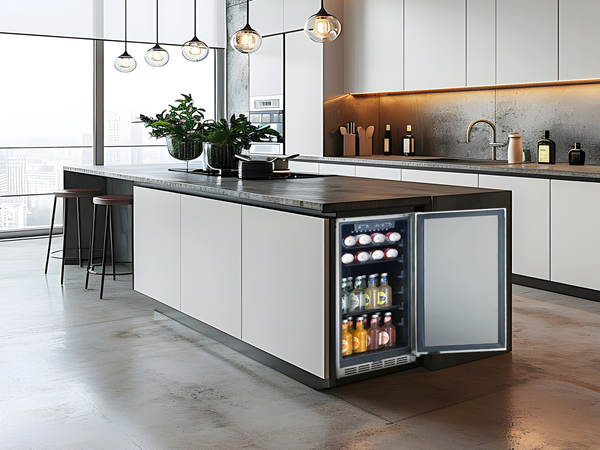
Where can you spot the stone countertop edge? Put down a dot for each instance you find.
(534, 169)
(156, 175)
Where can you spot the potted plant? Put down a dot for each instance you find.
(182, 125)
(225, 139)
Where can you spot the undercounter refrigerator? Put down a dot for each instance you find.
(419, 283)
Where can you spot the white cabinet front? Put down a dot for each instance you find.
(211, 262)
(156, 245)
(530, 222)
(297, 12)
(575, 241)
(434, 44)
(283, 286)
(380, 173)
(266, 16)
(266, 68)
(527, 33)
(481, 42)
(451, 178)
(337, 169)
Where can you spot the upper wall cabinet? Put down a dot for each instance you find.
(297, 12)
(481, 42)
(527, 41)
(266, 16)
(373, 53)
(266, 68)
(578, 39)
(434, 44)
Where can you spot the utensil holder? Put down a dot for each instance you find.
(349, 144)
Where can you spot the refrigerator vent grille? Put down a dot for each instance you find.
(376, 365)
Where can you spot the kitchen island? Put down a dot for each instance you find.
(254, 263)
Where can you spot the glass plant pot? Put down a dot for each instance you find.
(221, 157)
(184, 150)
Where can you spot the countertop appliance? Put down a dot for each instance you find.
(267, 111)
(447, 276)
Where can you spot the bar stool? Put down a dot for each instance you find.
(109, 201)
(67, 194)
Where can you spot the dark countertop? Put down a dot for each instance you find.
(553, 171)
(330, 194)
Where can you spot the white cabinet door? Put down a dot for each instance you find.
(451, 178)
(284, 286)
(303, 95)
(337, 169)
(381, 173)
(434, 44)
(156, 244)
(303, 167)
(266, 68)
(211, 262)
(297, 12)
(579, 35)
(575, 241)
(530, 222)
(481, 42)
(371, 66)
(266, 17)
(527, 33)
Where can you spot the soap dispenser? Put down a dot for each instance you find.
(576, 155)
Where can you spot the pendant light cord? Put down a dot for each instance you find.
(248, 12)
(156, 22)
(125, 26)
(195, 19)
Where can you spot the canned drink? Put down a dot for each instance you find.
(347, 258)
(376, 255)
(363, 239)
(378, 238)
(393, 236)
(362, 257)
(390, 253)
(350, 241)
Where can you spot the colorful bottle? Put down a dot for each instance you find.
(345, 297)
(346, 339)
(371, 292)
(576, 155)
(387, 141)
(373, 333)
(384, 295)
(387, 335)
(350, 325)
(546, 149)
(408, 142)
(357, 296)
(359, 338)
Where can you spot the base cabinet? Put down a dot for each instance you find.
(211, 262)
(530, 222)
(575, 241)
(156, 245)
(284, 288)
(433, 177)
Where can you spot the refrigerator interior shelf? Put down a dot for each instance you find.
(372, 310)
(381, 261)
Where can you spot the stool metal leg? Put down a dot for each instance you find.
(79, 231)
(64, 251)
(50, 237)
(112, 247)
(90, 264)
(106, 230)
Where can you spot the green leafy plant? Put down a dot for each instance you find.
(182, 122)
(238, 133)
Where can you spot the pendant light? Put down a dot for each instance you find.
(157, 56)
(194, 50)
(246, 40)
(322, 27)
(125, 63)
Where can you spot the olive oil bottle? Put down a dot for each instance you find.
(546, 149)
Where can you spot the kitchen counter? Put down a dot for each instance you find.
(327, 194)
(532, 170)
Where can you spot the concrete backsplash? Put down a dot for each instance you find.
(440, 119)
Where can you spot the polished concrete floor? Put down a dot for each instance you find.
(77, 372)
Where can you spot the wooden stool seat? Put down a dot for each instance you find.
(113, 200)
(77, 193)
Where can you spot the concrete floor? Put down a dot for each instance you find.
(77, 372)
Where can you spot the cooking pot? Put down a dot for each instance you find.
(262, 169)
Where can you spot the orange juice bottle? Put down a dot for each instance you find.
(350, 325)
(346, 339)
(359, 338)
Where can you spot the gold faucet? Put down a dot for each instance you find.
(493, 144)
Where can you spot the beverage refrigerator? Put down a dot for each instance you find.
(448, 288)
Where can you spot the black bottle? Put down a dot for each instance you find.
(387, 141)
(576, 155)
(546, 149)
(408, 142)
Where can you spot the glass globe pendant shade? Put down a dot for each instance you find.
(246, 40)
(195, 50)
(125, 63)
(157, 56)
(322, 27)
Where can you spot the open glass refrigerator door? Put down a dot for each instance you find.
(433, 283)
